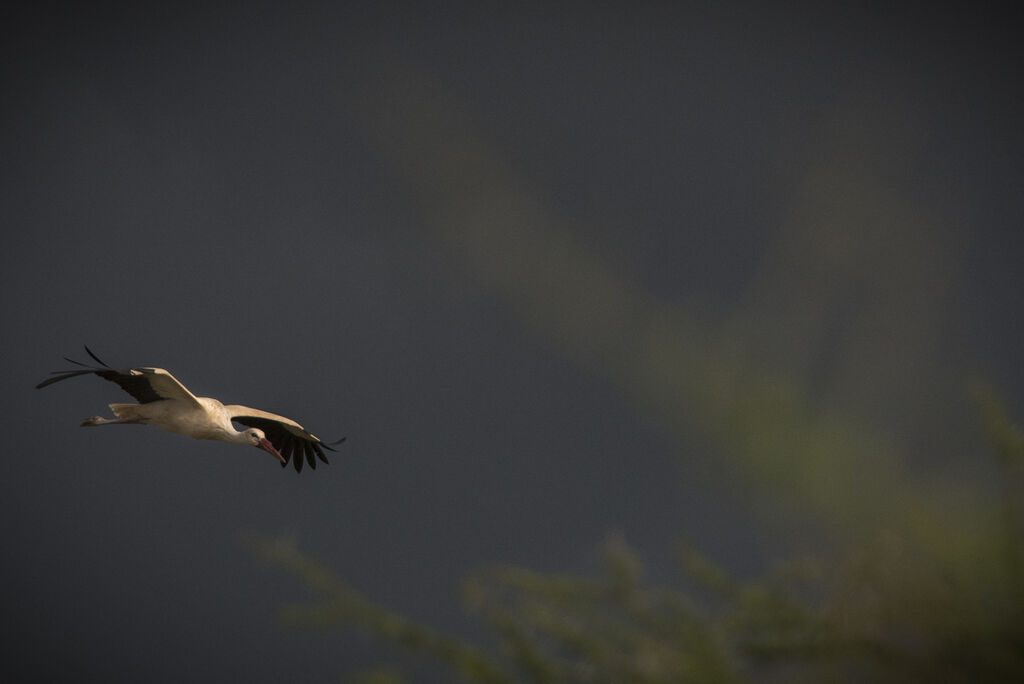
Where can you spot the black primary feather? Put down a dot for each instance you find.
(136, 385)
(64, 375)
(94, 357)
(295, 449)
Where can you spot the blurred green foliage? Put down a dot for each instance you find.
(802, 386)
(892, 609)
(808, 393)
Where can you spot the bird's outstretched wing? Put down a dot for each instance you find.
(144, 384)
(293, 441)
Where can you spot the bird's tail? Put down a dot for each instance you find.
(125, 411)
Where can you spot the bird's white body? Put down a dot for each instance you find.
(209, 420)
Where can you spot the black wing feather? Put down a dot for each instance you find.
(288, 450)
(94, 357)
(295, 449)
(310, 454)
(136, 385)
(62, 375)
(329, 446)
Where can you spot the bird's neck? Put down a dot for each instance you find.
(221, 433)
(235, 436)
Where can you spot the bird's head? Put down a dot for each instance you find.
(259, 440)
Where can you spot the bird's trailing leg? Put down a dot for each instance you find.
(99, 420)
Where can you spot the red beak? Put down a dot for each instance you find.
(269, 448)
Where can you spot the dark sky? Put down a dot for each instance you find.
(374, 219)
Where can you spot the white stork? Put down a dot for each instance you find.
(167, 404)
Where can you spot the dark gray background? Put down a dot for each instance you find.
(210, 191)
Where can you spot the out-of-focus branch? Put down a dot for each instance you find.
(339, 604)
(802, 457)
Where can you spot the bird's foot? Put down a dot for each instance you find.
(95, 420)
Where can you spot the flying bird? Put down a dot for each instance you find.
(167, 404)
